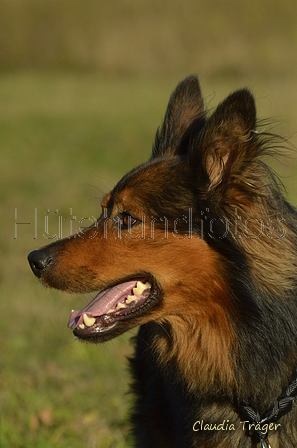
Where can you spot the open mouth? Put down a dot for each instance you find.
(111, 306)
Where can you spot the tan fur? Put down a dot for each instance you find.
(217, 325)
(198, 319)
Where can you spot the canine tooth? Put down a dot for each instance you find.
(130, 299)
(140, 287)
(89, 321)
(81, 326)
(112, 310)
(120, 306)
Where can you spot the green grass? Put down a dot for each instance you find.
(224, 38)
(65, 139)
(83, 87)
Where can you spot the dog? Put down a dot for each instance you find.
(197, 247)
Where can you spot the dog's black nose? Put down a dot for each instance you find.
(39, 260)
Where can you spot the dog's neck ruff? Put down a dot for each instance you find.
(281, 407)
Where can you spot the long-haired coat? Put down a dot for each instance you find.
(197, 246)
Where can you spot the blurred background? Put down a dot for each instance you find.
(83, 86)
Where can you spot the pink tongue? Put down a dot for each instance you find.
(103, 302)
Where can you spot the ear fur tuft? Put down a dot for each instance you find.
(227, 139)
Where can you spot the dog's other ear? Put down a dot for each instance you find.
(185, 108)
(227, 142)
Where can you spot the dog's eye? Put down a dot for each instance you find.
(128, 220)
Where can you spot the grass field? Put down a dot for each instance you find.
(65, 139)
(83, 87)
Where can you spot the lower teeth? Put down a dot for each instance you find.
(120, 306)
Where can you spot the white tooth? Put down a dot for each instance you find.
(120, 305)
(72, 311)
(81, 326)
(89, 321)
(130, 299)
(140, 287)
(112, 310)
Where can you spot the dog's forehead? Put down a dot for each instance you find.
(147, 179)
(153, 175)
(131, 193)
(153, 185)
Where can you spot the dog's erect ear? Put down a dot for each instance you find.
(227, 141)
(184, 108)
